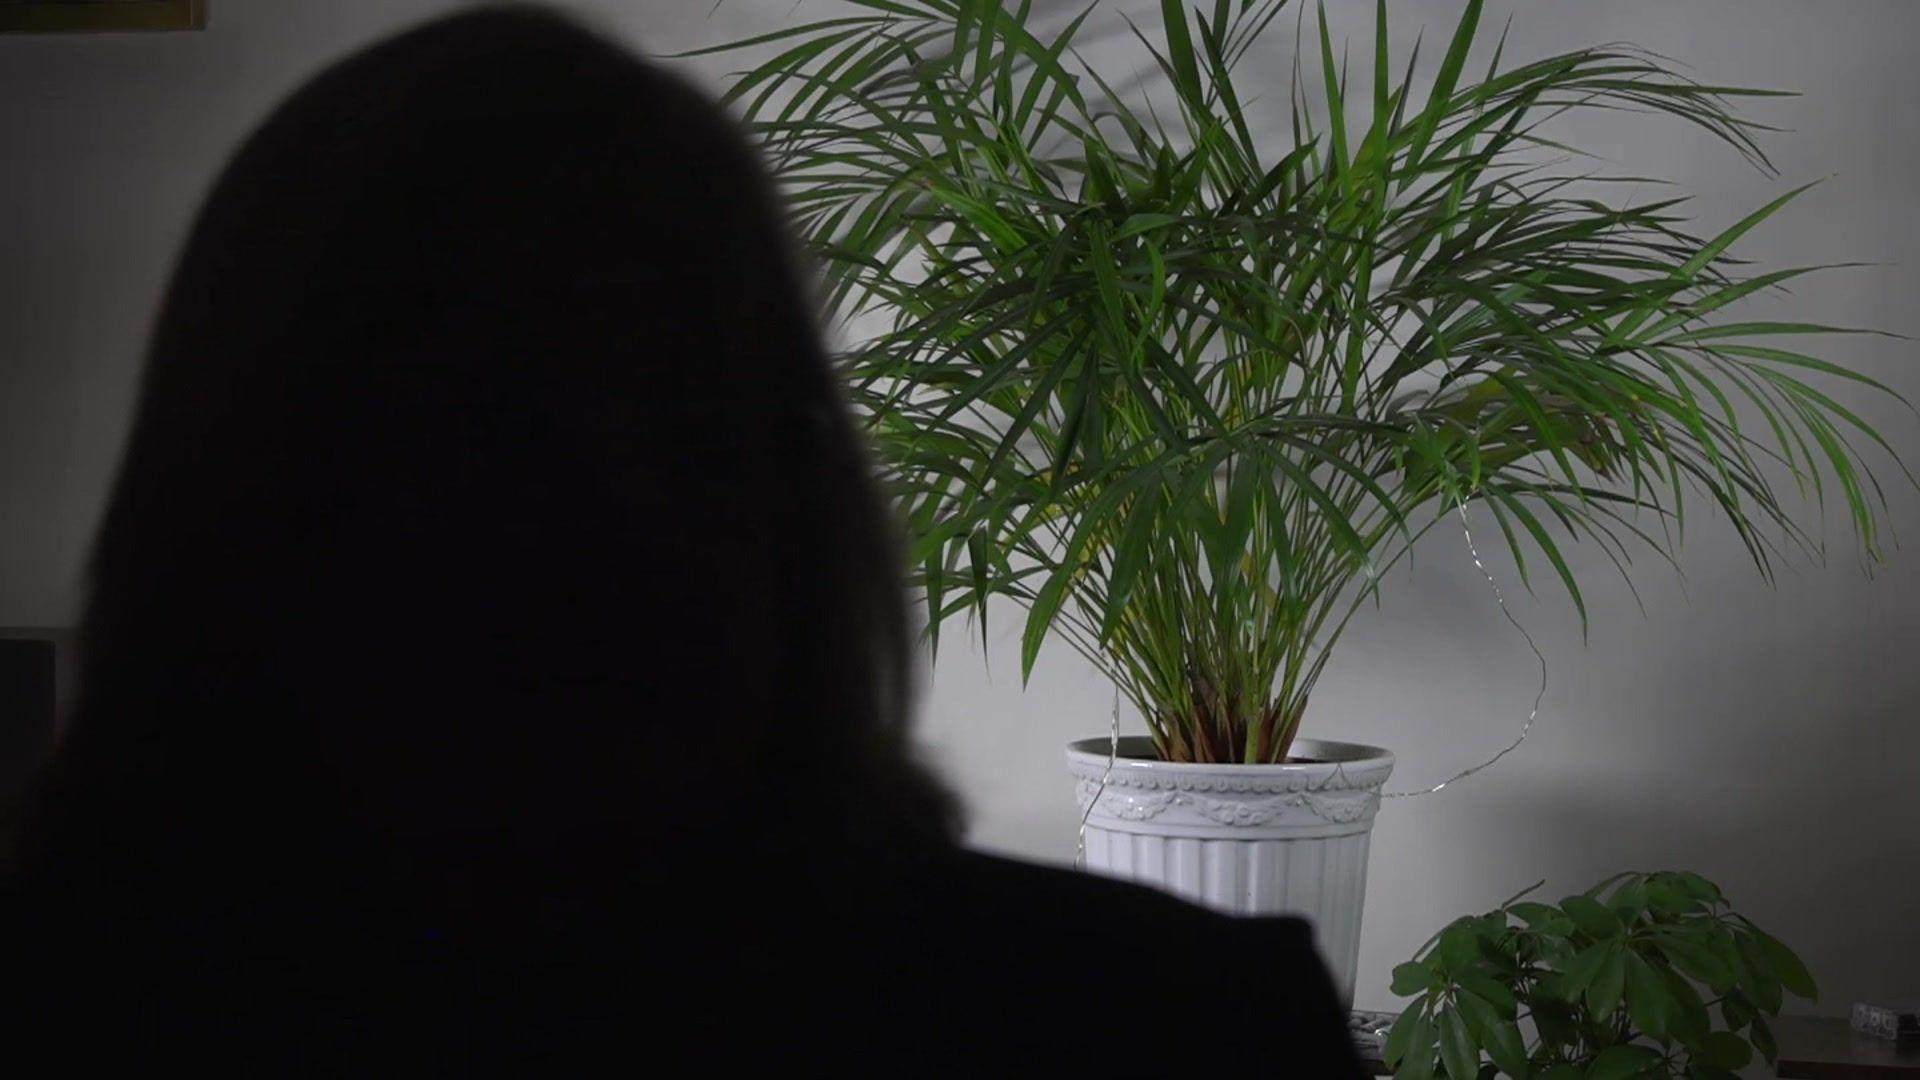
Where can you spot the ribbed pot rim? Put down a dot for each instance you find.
(1136, 755)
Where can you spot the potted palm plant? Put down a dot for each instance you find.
(1182, 378)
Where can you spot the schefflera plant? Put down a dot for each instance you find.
(1643, 975)
(1183, 384)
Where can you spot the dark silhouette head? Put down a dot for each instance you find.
(496, 660)
(491, 529)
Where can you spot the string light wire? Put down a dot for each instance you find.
(1499, 597)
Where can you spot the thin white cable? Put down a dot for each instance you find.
(1113, 754)
(1500, 598)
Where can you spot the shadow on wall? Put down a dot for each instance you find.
(1801, 859)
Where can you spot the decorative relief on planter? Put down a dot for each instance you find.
(1124, 805)
(1243, 813)
(1345, 809)
(1127, 806)
(1303, 795)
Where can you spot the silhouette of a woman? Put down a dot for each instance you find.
(496, 658)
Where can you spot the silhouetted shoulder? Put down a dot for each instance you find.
(497, 332)
(1033, 967)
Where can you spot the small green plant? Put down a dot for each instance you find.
(1621, 981)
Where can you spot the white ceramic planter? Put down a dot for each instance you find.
(1247, 839)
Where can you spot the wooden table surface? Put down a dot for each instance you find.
(1825, 1048)
(1820, 1048)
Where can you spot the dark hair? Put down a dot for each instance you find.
(490, 508)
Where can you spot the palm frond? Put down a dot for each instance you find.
(1182, 395)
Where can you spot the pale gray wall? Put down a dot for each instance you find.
(1760, 735)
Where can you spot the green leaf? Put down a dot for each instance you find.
(1400, 1037)
(1758, 978)
(1412, 978)
(1687, 1019)
(1496, 1032)
(1585, 967)
(1535, 914)
(1649, 1002)
(1791, 972)
(777, 35)
(1763, 1041)
(1545, 543)
(1736, 1011)
(1186, 71)
(1592, 917)
(1609, 983)
(1439, 99)
(1555, 1021)
(1488, 990)
(1696, 886)
(1668, 900)
(1140, 223)
(1459, 1050)
(1417, 1062)
(1459, 949)
(1629, 902)
(1336, 105)
(1723, 1050)
(1623, 1062)
(1693, 958)
(1712, 249)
